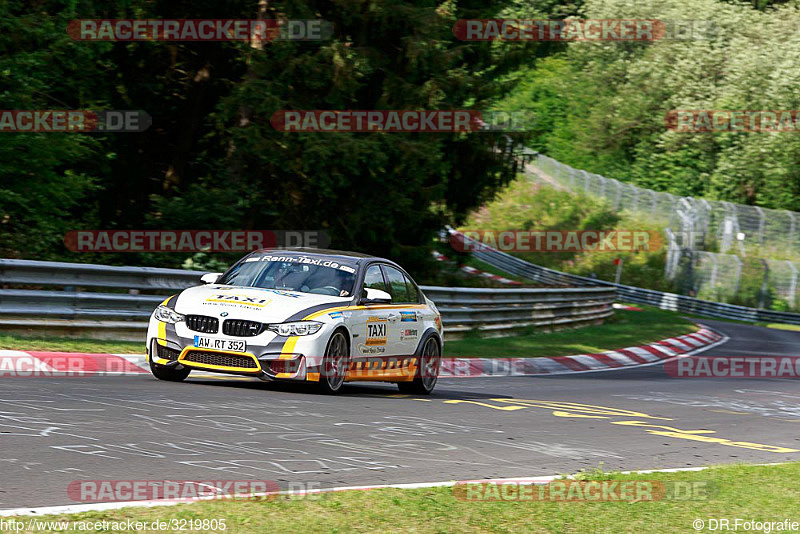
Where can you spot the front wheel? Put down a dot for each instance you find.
(430, 359)
(170, 374)
(334, 364)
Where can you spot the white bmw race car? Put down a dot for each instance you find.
(319, 316)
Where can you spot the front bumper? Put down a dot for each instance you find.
(261, 361)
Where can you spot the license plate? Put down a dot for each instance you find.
(220, 344)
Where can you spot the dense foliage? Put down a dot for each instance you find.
(212, 160)
(528, 206)
(601, 105)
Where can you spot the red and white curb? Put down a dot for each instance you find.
(43, 364)
(655, 353)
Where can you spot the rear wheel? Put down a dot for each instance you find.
(170, 374)
(334, 364)
(430, 359)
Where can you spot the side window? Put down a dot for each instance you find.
(373, 278)
(397, 285)
(413, 291)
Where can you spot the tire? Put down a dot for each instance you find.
(170, 374)
(430, 361)
(335, 364)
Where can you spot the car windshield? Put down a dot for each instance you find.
(304, 274)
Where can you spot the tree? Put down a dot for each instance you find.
(211, 158)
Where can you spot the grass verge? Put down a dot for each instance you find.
(752, 493)
(779, 326)
(626, 329)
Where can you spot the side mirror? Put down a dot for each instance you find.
(375, 296)
(210, 278)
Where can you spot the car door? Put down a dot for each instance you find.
(370, 324)
(404, 317)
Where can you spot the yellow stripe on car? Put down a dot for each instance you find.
(162, 327)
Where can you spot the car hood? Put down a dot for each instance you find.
(256, 304)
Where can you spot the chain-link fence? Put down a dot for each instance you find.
(718, 250)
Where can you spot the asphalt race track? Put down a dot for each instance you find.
(55, 431)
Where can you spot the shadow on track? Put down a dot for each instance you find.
(448, 390)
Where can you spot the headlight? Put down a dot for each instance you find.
(166, 315)
(300, 328)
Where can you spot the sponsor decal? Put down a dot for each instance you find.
(407, 334)
(371, 350)
(306, 260)
(376, 331)
(408, 317)
(242, 300)
(438, 321)
(336, 315)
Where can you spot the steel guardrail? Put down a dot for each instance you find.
(463, 309)
(636, 295)
(50, 273)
